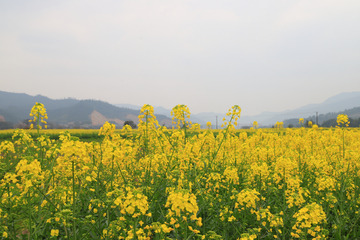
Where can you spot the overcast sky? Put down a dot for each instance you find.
(261, 55)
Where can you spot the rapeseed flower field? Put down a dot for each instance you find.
(185, 183)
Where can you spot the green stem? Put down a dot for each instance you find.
(74, 200)
(146, 134)
(222, 140)
(184, 129)
(38, 124)
(343, 143)
(29, 208)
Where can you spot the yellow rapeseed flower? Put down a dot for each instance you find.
(54, 232)
(342, 120)
(38, 111)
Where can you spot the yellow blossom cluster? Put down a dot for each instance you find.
(181, 201)
(279, 125)
(308, 221)
(342, 120)
(107, 129)
(234, 114)
(131, 202)
(179, 115)
(6, 147)
(247, 198)
(38, 111)
(183, 208)
(147, 119)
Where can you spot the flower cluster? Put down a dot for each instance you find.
(133, 206)
(38, 111)
(342, 120)
(179, 115)
(308, 221)
(247, 198)
(6, 147)
(134, 203)
(181, 201)
(147, 119)
(107, 129)
(279, 125)
(183, 208)
(234, 114)
(310, 123)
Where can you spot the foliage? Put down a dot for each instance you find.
(130, 123)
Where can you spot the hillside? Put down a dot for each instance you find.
(329, 119)
(163, 111)
(334, 104)
(15, 108)
(22, 100)
(96, 113)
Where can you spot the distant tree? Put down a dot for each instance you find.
(131, 123)
(329, 123)
(290, 125)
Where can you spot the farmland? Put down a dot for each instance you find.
(186, 183)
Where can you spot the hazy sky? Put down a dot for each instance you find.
(261, 55)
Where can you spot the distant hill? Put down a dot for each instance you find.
(97, 112)
(157, 110)
(83, 110)
(334, 104)
(22, 100)
(6, 116)
(328, 119)
(195, 118)
(15, 107)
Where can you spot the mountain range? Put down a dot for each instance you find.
(334, 104)
(15, 108)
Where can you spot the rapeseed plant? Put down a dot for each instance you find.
(38, 112)
(255, 124)
(182, 183)
(342, 120)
